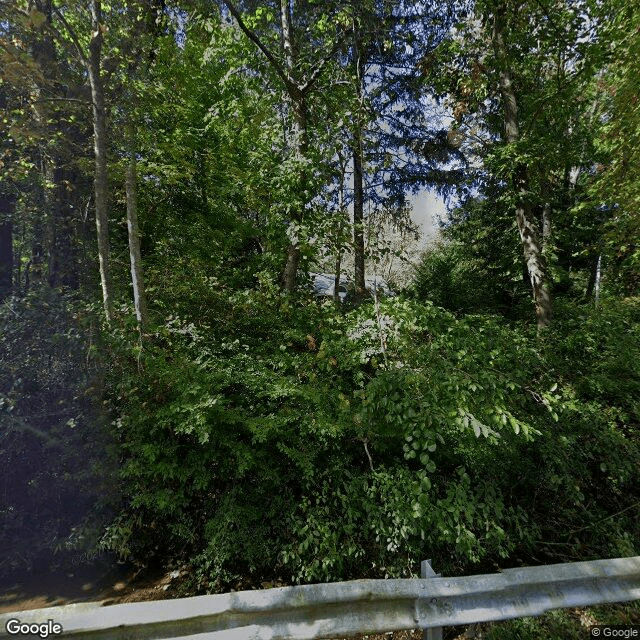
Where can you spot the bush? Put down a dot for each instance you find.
(295, 441)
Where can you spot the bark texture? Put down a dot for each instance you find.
(100, 152)
(299, 141)
(338, 239)
(358, 220)
(299, 138)
(358, 177)
(133, 233)
(531, 245)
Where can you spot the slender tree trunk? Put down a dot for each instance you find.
(50, 202)
(6, 231)
(137, 280)
(341, 214)
(35, 266)
(593, 275)
(290, 275)
(598, 279)
(358, 178)
(100, 152)
(531, 245)
(336, 279)
(546, 224)
(7, 204)
(17, 260)
(69, 190)
(358, 220)
(299, 140)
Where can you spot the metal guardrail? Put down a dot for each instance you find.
(346, 608)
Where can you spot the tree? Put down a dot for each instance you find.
(397, 146)
(298, 79)
(614, 186)
(517, 79)
(133, 232)
(359, 62)
(93, 65)
(145, 21)
(91, 59)
(41, 144)
(531, 244)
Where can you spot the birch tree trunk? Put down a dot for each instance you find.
(137, 280)
(100, 152)
(531, 245)
(358, 217)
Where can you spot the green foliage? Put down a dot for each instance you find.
(285, 440)
(261, 434)
(617, 92)
(460, 276)
(564, 624)
(599, 350)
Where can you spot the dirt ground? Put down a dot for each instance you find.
(114, 585)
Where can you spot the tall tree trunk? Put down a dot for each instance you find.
(137, 280)
(546, 224)
(598, 279)
(50, 202)
(338, 232)
(358, 178)
(531, 246)
(358, 219)
(336, 278)
(298, 81)
(593, 275)
(100, 152)
(7, 204)
(299, 140)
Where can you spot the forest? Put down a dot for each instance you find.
(173, 391)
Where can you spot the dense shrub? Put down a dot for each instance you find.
(294, 441)
(456, 276)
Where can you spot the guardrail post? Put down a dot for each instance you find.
(426, 571)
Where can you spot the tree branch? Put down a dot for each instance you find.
(289, 82)
(42, 100)
(315, 74)
(72, 34)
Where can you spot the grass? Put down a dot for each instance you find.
(565, 624)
